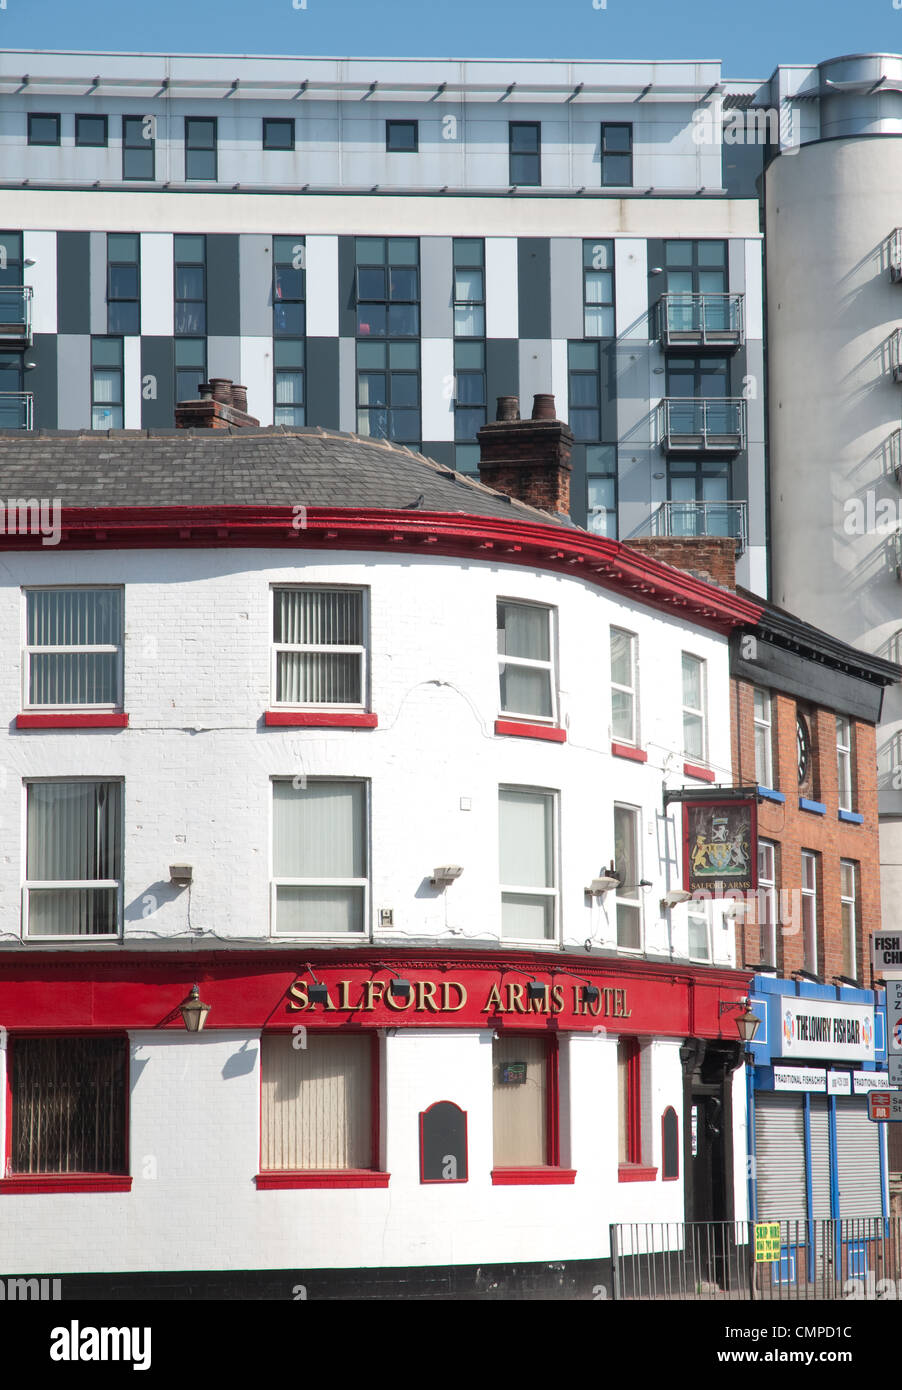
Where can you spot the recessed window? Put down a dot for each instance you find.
(319, 650)
(629, 1101)
(809, 909)
(388, 287)
(190, 367)
(844, 775)
(320, 873)
(527, 861)
(73, 651)
(627, 863)
(288, 289)
(190, 258)
(624, 646)
(123, 283)
(91, 131)
(848, 896)
(616, 155)
(317, 1102)
(43, 130)
(69, 1105)
(278, 134)
(469, 288)
(601, 489)
(106, 383)
(288, 382)
(521, 1089)
(694, 730)
(200, 148)
(525, 660)
(388, 391)
(525, 149)
(73, 871)
(764, 763)
(402, 137)
(470, 391)
(138, 147)
(598, 289)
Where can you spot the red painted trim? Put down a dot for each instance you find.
(71, 721)
(633, 1100)
(375, 1098)
(437, 1182)
(321, 1177)
(517, 730)
(633, 1172)
(665, 1176)
(299, 719)
(701, 774)
(65, 1182)
(522, 1177)
(626, 750)
(609, 564)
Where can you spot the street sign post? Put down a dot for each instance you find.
(884, 1105)
(886, 953)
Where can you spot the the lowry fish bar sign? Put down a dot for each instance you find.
(886, 953)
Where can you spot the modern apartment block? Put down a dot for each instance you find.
(385, 247)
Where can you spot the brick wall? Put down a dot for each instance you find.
(712, 558)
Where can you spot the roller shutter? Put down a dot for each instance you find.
(780, 1157)
(858, 1159)
(820, 1159)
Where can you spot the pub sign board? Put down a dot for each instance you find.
(443, 1143)
(720, 846)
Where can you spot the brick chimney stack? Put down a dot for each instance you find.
(528, 459)
(221, 404)
(712, 558)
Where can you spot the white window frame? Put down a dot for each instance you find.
(764, 723)
(364, 883)
(531, 663)
(361, 650)
(767, 894)
(844, 756)
(851, 903)
(701, 712)
(809, 906)
(553, 892)
(631, 690)
(28, 885)
(28, 651)
(700, 911)
(636, 903)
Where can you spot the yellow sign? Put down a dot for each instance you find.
(767, 1242)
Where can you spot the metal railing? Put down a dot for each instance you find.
(15, 313)
(895, 354)
(700, 320)
(895, 254)
(16, 410)
(700, 519)
(702, 424)
(714, 1261)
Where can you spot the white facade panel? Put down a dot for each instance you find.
(157, 284)
(501, 292)
(131, 383)
(438, 387)
(40, 247)
(322, 286)
(257, 376)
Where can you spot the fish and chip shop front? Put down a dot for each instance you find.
(815, 1154)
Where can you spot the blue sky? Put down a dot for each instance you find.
(751, 36)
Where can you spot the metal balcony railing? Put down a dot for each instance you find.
(701, 320)
(16, 410)
(895, 254)
(15, 313)
(702, 424)
(895, 354)
(701, 519)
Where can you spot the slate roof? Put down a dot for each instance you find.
(277, 466)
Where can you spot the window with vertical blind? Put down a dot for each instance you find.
(319, 647)
(527, 862)
(73, 858)
(320, 857)
(317, 1102)
(73, 648)
(68, 1112)
(525, 660)
(521, 1080)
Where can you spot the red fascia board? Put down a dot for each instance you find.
(64, 1182)
(71, 721)
(300, 719)
(522, 1177)
(608, 564)
(340, 1177)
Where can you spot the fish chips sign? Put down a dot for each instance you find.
(720, 846)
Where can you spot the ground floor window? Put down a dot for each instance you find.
(523, 1101)
(318, 1110)
(68, 1105)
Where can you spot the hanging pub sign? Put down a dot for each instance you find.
(720, 846)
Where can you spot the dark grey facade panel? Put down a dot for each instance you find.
(158, 361)
(794, 674)
(607, 365)
(502, 371)
(347, 290)
(41, 380)
(534, 286)
(322, 383)
(578, 494)
(442, 450)
(73, 282)
(223, 303)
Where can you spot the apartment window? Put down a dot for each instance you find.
(278, 134)
(695, 267)
(288, 289)
(388, 287)
(809, 909)
(525, 142)
(69, 1105)
(388, 391)
(190, 257)
(598, 289)
(844, 763)
(138, 147)
(627, 864)
(106, 384)
(469, 400)
(848, 897)
(616, 154)
(469, 288)
(585, 390)
(43, 130)
(522, 1068)
(694, 733)
(767, 904)
(629, 1101)
(73, 859)
(317, 1102)
(319, 651)
(764, 768)
(525, 660)
(402, 137)
(624, 646)
(73, 648)
(13, 415)
(288, 382)
(123, 283)
(320, 858)
(527, 855)
(200, 147)
(91, 131)
(698, 922)
(190, 367)
(601, 489)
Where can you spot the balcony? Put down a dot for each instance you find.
(697, 321)
(701, 519)
(895, 354)
(895, 254)
(702, 425)
(16, 410)
(15, 315)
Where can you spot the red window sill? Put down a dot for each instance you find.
(626, 750)
(300, 719)
(72, 721)
(66, 1182)
(516, 730)
(634, 1172)
(702, 774)
(322, 1177)
(518, 1177)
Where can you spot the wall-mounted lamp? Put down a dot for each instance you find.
(181, 875)
(599, 886)
(535, 990)
(29, 260)
(30, 366)
(445, 874)
(194, 1011)
(398, 988)
(674, 897)
(747, 1024)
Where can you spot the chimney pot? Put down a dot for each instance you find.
(222, 389)
(508, 408)
(528, 459)
(543, 408)
(239, 397)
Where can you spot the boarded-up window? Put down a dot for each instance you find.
(317, 1102)
(520, 1102)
